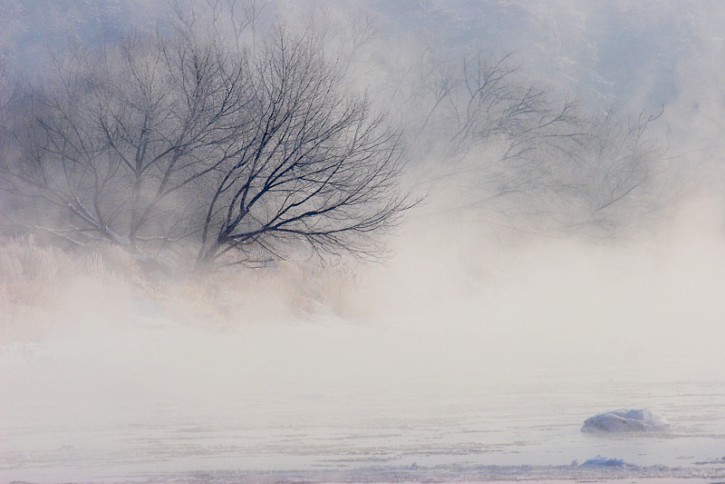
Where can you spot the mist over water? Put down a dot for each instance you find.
(439, 356)
(480, 340)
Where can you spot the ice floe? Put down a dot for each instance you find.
(600, 461)
(626, 420)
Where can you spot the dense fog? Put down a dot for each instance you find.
(545, 224)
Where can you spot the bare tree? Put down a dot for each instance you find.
(186, 136)
(114, 134)
(610, 172)
(522, 152)
(313, 163)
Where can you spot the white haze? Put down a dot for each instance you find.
(460, 303)
(105, 369)
(449, 304)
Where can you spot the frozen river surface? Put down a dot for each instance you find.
(430, 430)
(163, 402)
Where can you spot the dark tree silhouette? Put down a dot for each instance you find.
(187, 138)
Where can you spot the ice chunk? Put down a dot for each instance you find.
(600, 461)
(629, 420)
